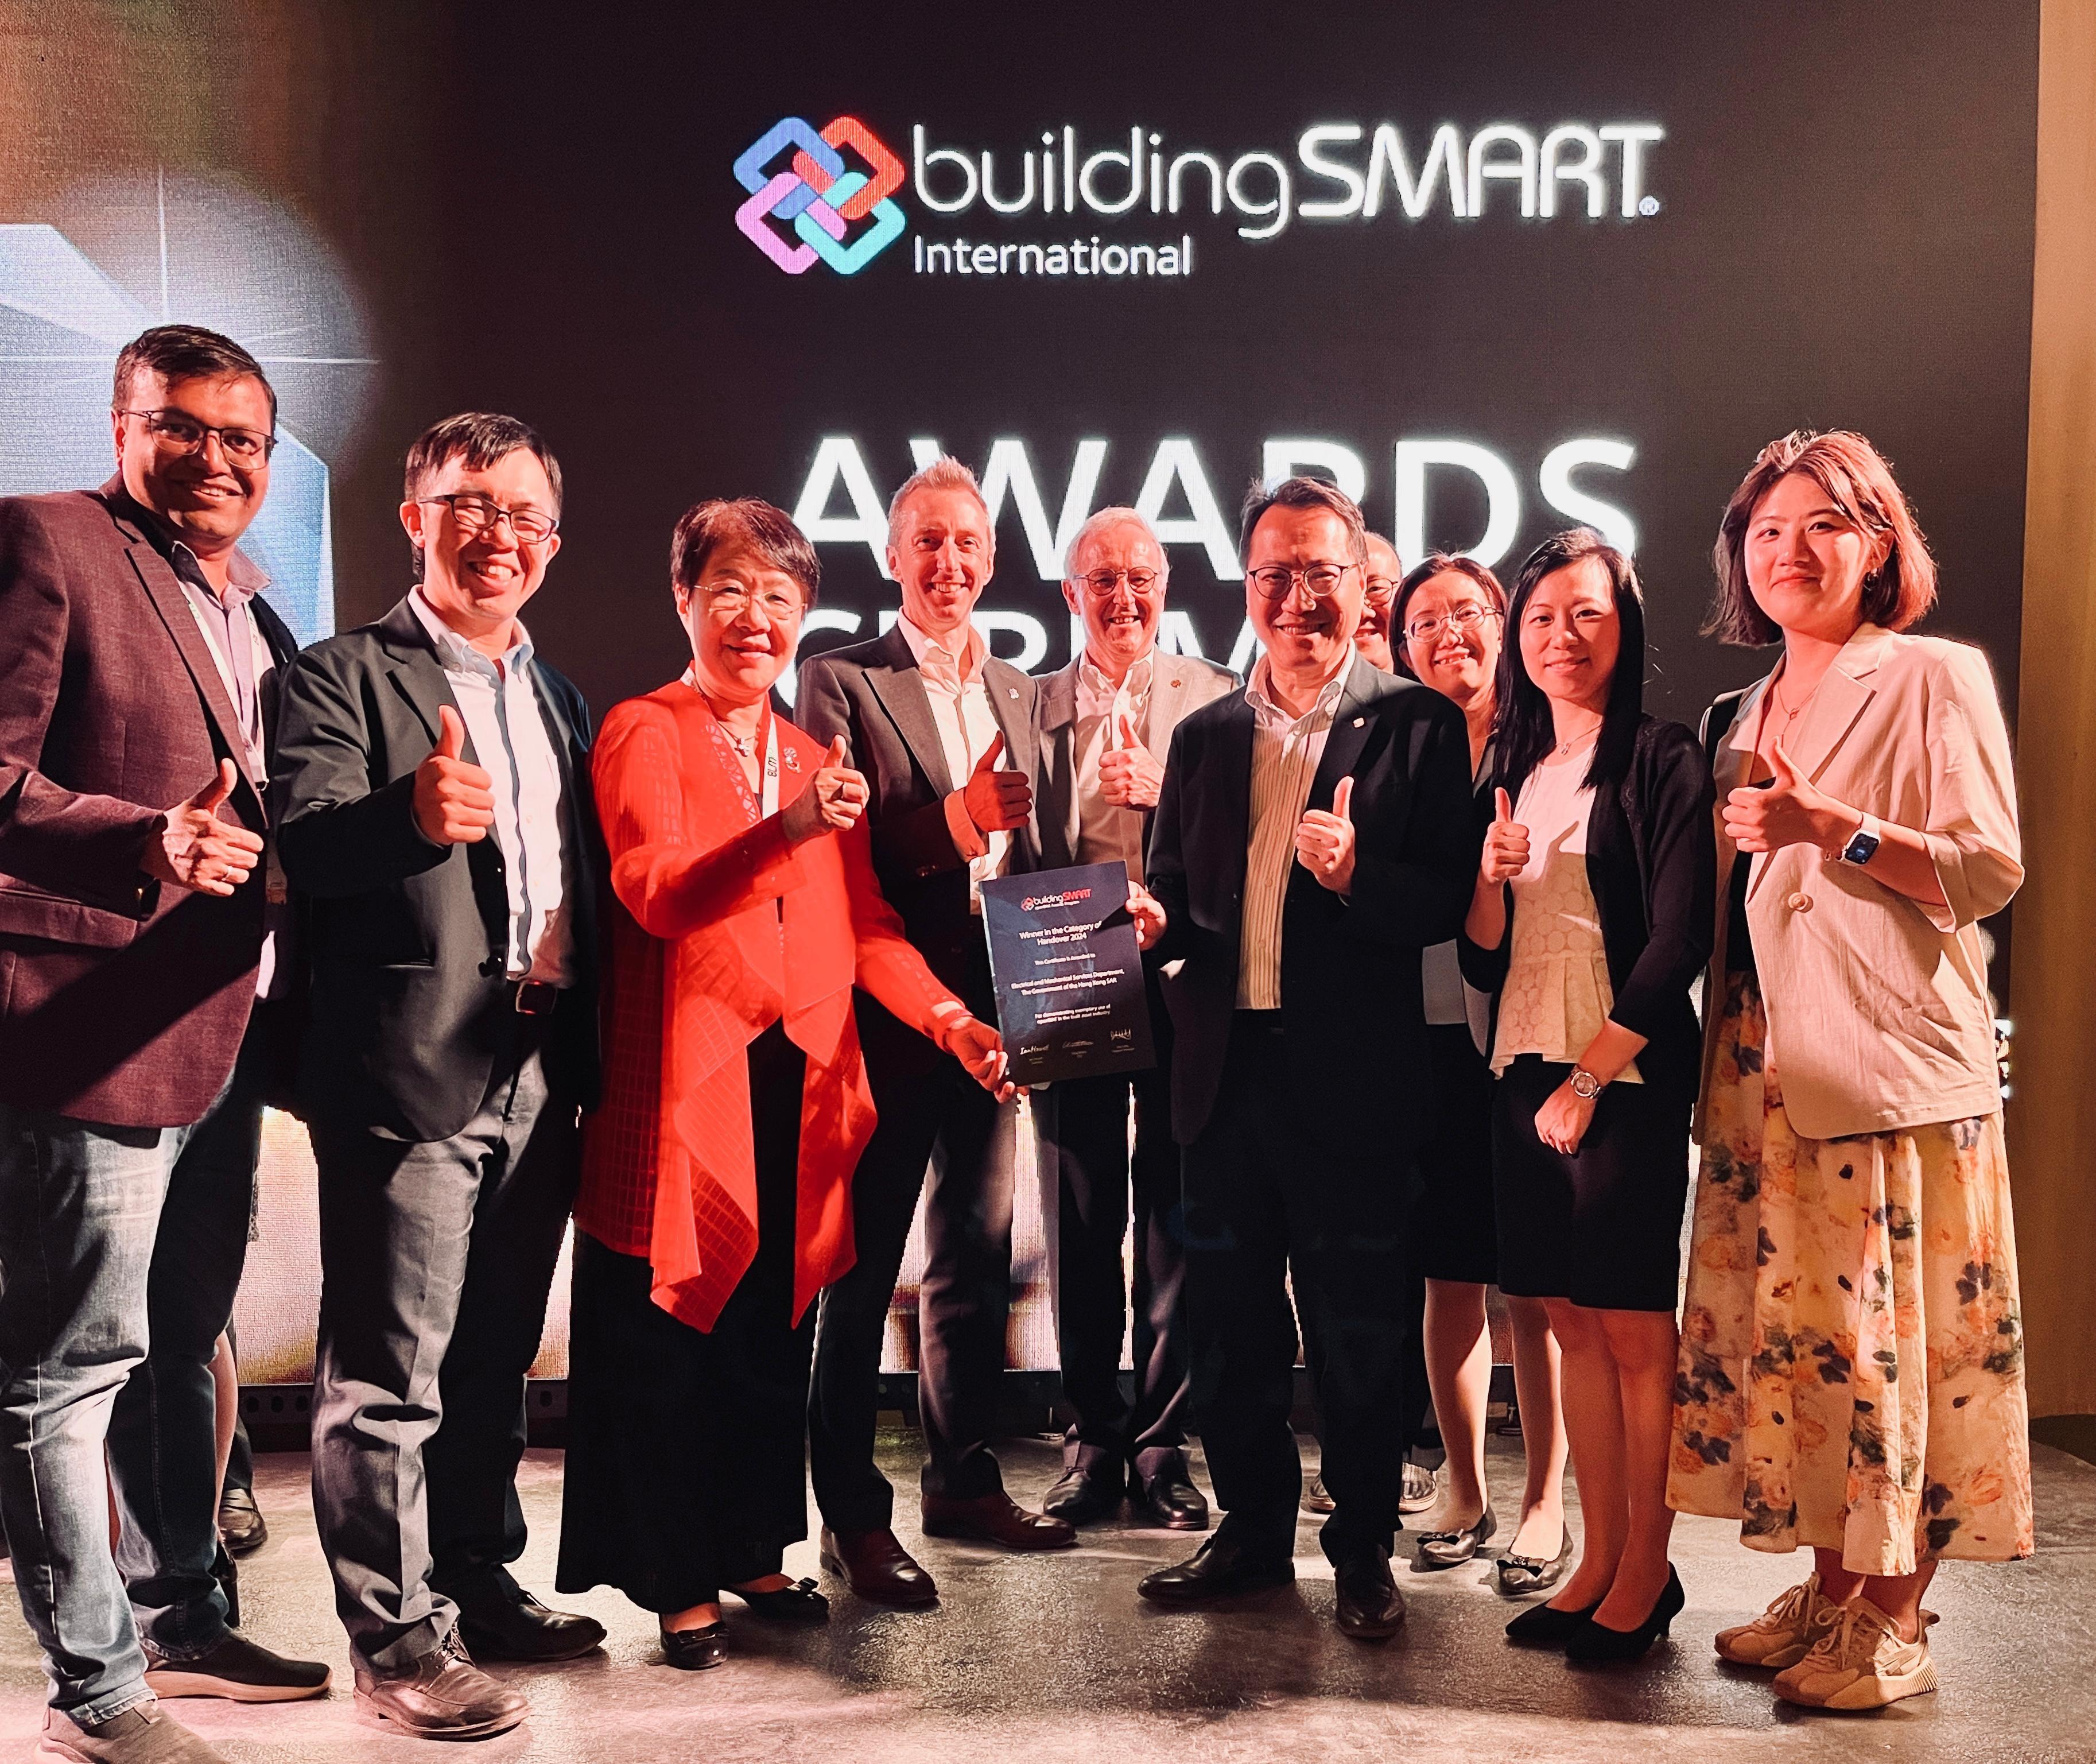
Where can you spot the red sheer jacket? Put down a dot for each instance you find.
(723, 929)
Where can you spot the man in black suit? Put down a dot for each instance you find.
(434, 779)
(943, 733)
(1314, 834)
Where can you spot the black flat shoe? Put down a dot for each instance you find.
(1522, 1576)
(693, 1650)
(1451, 1549)
(1544, 1625)
(800, 1603)
(1597, 1644)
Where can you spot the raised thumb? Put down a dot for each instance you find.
(218, 789)
(1502, 806)
(1127, 731)
(451, 734)
(839, 756)
(988, 762)
(1786, 774)
(1342, 798)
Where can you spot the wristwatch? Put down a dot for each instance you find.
(1862, 844)
(1585, 1085)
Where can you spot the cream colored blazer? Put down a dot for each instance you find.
(1878, 1012)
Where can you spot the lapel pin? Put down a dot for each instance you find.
(792, 760)
(1359, 722)
(1011, 691)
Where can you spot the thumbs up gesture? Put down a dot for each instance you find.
(835, 799)
(1130, 776)
(454, 801)
(997, 802)
(1324, 842)
(1506, 844)
(1786, 811)
(195, 849)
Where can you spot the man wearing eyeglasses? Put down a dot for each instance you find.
(1313, 835)
(135, 689)
(434, 774)
(1101, 722)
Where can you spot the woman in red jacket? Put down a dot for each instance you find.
(716, 1189)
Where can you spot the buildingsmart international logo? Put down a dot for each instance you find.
(822, 205)
(823, 200)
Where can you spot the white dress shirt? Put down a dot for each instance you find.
(961, 713)
(1106, 831)
(220, 617)
(1286, 751)
(500, 704)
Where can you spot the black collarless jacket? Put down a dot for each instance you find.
(1652, 860)
(1351, 1005)
(407, 941)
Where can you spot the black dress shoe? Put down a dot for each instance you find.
(1544, 1625)
(240, 1522)
(800, 1603)
(1451, 1549)
(1597, 1644)
(693, 1650)
(1080, 1496)
(523, 1629)
(1368, 1605)
(1221, 1569)
(1521, 1577)
(1168, 1500)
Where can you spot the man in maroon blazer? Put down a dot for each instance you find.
(133, 910)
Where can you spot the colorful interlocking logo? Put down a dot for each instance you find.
(820, 196)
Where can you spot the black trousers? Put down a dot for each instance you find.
(1089, 1178)
(1267, 1202)
(944, 1118)
(686, 1465)
(436, 1264)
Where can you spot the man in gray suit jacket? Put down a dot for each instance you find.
(943, 733)
(1102, 722)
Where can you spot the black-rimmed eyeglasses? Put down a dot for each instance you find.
(476, 514)
(1276, 582)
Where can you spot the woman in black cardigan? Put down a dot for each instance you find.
(1592, 919)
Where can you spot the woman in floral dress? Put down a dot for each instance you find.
(1851, 1372)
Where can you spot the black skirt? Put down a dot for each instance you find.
(686, 1459)
(1602, 1227)
(1456, 1236)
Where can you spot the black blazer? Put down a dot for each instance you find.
(873, 695)
(407, 942)
(1350, 969)
(1652, 860)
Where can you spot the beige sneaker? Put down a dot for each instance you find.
(1859, 1662)
(1783, 1633)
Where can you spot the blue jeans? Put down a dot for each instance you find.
(79, 1211)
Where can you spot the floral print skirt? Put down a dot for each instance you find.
(1852, 1374)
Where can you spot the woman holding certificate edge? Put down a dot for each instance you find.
(1591, 921)
(715, 1196)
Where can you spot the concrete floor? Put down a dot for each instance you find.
(1053, 1658)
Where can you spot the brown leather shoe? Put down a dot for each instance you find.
(444, 1695)
(998, 1519)
(877, 1567)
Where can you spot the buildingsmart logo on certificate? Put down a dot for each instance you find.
(1070, 996)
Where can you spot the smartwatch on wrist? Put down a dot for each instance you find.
(1585, 1085)
(1862, 844)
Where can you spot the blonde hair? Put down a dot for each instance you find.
(945, 473)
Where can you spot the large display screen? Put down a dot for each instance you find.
(1495, 267)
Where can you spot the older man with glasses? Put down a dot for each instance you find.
(1102, 723)
(1313, 835)
(434, 772)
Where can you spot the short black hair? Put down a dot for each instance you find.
(480, 438)
(1303, 492)
(767, 531)
(186, 353)
(1432, 564)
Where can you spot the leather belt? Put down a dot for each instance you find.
(534, 998)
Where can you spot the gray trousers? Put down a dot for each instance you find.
(436, 1264)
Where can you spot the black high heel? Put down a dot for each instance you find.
(1522, 1576)
(1451, 1549)
(1544, 1625)
(1597, 1644)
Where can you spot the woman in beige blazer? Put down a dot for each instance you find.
(1851, 1375)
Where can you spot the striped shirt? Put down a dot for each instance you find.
(1286, 751)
